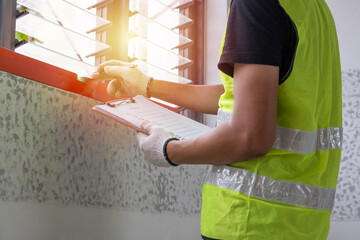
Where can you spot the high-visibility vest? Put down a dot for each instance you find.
(289, 193)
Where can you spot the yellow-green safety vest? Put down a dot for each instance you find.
(289, 193)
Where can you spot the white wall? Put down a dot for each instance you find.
(216, 12)
(347, 18)
(32, 221)
(344, 230)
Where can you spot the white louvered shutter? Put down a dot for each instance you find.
(66, 33)
(62, 34)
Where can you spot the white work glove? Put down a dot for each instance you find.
(124, 78)
(154, 144)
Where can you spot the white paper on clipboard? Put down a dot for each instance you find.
(132, 112)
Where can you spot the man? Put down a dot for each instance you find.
(274, 158)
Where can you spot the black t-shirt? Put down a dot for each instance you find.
(259, 32)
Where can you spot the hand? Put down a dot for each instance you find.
(152, 145)
(123, 78)
(100, 74)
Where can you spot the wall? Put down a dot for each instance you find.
(346, 15)
(216, 12)
(62, 165)
(33, 221)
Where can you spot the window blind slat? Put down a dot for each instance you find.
(176, 4)
(71, 16)
(85, 4)
(156, 33)
(142, 49)
(160, 24)
(46, 55)
(160, 13)
(159, 73)
(59, 39)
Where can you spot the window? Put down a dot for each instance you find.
(77, 35)
(165, 38)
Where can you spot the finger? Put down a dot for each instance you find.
(117, 71)
(144, 123)
(100, 68)
(113, 63)
(141, 136)
(95, 76)
(112, 87)
(107, 81)
(146, 126)
(115, 88)
(118, 93)
(101, 77)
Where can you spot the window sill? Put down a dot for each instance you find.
(42, 72)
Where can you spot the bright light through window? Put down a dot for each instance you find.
(63, 33)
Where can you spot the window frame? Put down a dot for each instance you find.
(7, 24)
(196, 52)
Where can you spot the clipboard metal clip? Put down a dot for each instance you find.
(116, 103)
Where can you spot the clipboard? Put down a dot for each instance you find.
(115, 104)
(132, 111)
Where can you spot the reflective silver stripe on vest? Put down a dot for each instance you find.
(267, 189)
(299, 141)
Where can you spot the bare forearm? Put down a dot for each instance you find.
(220, 146)
(251, 131)
(200, 98)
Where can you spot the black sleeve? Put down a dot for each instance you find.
(256, 33)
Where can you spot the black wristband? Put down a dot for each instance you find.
(165, 153)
